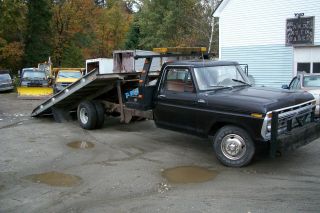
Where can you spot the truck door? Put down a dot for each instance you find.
(176, 100)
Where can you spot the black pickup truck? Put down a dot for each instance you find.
(206, 98)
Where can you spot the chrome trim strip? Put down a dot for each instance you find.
(285, 108)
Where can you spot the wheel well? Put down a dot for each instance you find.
(218, 125)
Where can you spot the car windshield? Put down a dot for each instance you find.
(34, 74)
(209, 78)
(66, 74)
(5, 77)
(311, 81)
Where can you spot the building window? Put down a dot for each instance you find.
(303, 67)
(316, 68)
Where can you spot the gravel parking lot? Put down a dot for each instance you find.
(59, 167)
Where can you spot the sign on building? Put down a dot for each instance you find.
(300, 31)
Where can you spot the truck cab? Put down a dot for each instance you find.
(65, 77)
(33, 77)
(215, 99)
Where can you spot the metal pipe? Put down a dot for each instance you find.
(274, 134)
(122, 116)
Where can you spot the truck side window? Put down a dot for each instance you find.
(178, 80)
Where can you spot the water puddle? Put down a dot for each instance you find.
(55, 179)
(81, 145)
(189, 174)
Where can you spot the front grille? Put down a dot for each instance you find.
(289, 118)
(34, 85)
(295, 111)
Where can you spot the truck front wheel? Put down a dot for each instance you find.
(87, 115)
(233, 146)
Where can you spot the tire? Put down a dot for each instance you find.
(233, 146)
(100, 114)
(87, 115)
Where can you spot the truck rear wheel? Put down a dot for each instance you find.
(87, 115)
(100, 114)
(233, 146)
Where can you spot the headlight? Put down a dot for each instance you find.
(266, 126)
(269, 126)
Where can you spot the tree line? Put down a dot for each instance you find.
(70, 31)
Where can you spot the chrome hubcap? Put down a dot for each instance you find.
(233, 147)
(83, 115)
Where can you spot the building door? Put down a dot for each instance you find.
(306, 59)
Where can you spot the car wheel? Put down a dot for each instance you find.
(100, 114)
(233, 146)
(87, 115)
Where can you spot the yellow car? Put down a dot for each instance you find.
(64, 78)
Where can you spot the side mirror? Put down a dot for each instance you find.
(285, 86)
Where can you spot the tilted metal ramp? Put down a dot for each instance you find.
(88, 87)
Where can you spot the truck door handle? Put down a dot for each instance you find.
(162, 96)
(202, 101)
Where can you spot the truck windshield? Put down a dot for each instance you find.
(311, 81)
(209, 78)
(66, 74)
(34, 74)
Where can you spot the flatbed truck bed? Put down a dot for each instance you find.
(88, 88)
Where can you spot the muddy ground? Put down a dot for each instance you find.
(53, 167)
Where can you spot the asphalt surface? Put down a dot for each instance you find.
(123, 170)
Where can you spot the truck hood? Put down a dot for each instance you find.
(315, 92)
(255, 99)
(66, 80)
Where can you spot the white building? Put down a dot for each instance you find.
(269, 37)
